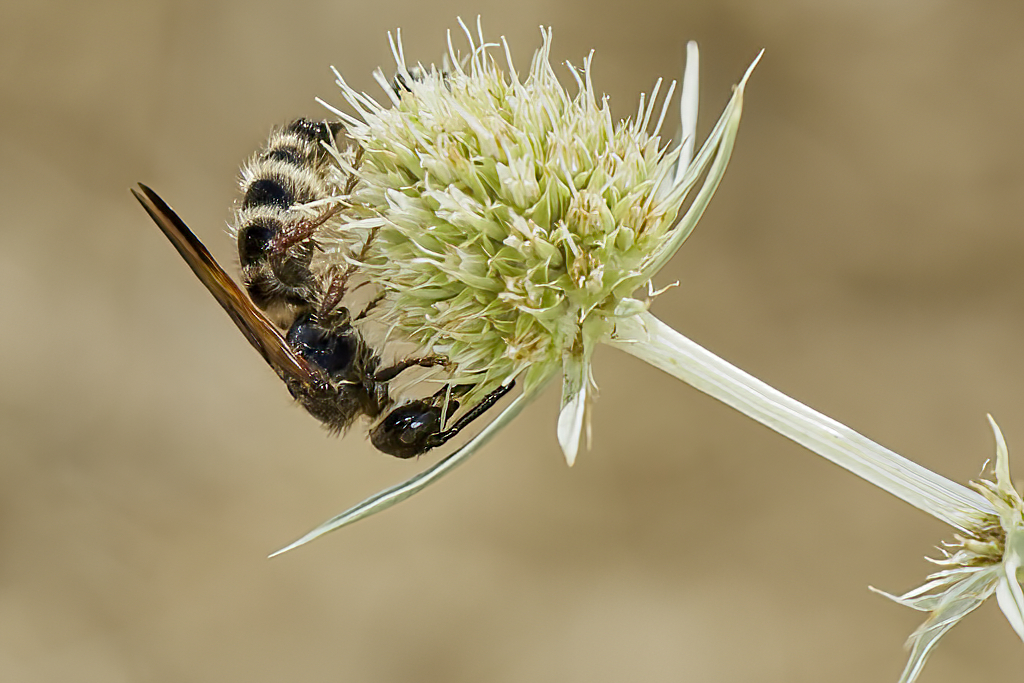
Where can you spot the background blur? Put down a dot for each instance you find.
(861, 255)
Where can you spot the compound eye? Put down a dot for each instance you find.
(333, 352)
(314, 131)
(408, 430)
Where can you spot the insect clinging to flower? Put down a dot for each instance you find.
(325, 361)
(500, 223)
(503, 226)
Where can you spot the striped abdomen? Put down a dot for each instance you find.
(276, 242)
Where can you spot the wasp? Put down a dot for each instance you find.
(296, 318)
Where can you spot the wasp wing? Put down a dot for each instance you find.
(256, 327)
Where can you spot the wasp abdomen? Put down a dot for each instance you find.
(275, 240)
(269, 192)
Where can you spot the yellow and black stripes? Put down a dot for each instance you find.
(275, 241)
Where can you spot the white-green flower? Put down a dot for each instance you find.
(507, 223)
(512, 220)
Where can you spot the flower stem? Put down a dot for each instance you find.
(651, 340)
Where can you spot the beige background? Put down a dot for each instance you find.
(862, 254)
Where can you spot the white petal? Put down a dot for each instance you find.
(575, 374)
(1008, 593)
(688, 102)
(570, 426)
(713, 158)
(958, 602)
(396, 494)
(927, 597)
(1003, 480)
(920, 649)
(1011, 601)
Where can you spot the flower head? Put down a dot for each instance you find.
(506, 221)
(511, 219)
(985, 558)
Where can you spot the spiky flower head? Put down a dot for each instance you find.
(985, 558)
(507, 222)
(511, 220)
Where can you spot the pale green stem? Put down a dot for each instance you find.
(651, 340)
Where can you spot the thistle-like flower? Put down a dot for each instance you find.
(511, 220)
(507, 223)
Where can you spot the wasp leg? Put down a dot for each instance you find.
(388, 374)
(299, 231)
(476, 411)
